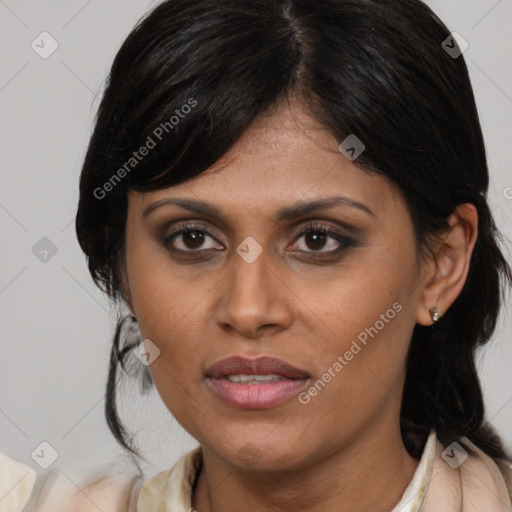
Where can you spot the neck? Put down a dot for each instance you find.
(370, 473)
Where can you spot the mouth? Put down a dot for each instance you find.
(258, 383)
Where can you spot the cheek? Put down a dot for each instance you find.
(360, 297)
(162, 299)
(368, 315)
(358, 380)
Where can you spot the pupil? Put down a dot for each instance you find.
(318, 239)
(195, 236)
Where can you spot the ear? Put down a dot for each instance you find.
(445, 273)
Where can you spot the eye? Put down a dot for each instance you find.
(189, 238)
(316, 237)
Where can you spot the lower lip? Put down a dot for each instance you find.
(256, 396)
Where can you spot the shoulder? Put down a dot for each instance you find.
(101, 489)
(505, 466)
(486, 481)
(172, 489)
(466, 481)
(16, 484)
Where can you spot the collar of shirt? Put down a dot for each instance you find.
(172, 489)
(447, 479)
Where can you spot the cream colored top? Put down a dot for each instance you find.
(444, 481)
(171, 490)
(16, 483)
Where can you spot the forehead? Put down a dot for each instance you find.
(284, 157)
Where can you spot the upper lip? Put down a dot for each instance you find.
(264, 365)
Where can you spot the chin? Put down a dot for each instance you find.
(268, 454)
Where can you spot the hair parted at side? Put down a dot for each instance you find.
(194, 74)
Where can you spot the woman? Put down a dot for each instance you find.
(290, 197)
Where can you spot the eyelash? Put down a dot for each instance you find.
(345, 241)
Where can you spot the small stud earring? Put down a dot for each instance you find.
(435, 314)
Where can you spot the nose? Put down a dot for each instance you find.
(253, 298)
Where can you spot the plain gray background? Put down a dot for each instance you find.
(56, 326)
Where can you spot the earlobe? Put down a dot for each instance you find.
(435, 314)
(449, 266)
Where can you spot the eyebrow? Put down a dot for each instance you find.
(286, 213)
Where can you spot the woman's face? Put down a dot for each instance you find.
(339, 308)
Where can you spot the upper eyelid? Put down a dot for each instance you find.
(332, 224)
(184, 225)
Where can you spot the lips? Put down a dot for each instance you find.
(266, 365)
(255, 383)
